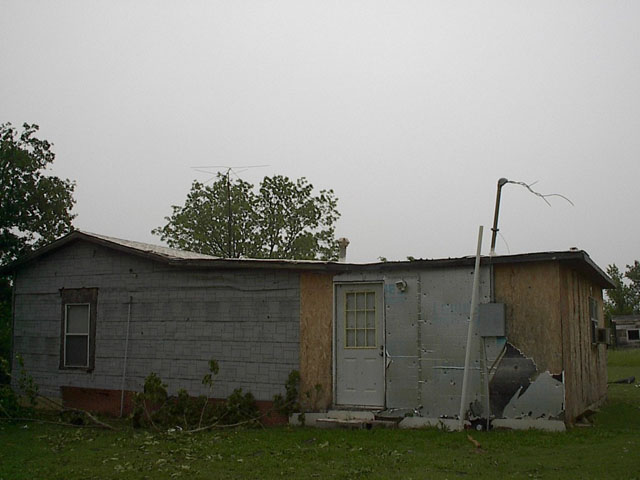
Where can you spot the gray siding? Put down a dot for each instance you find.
(248, 320)
(426, 327)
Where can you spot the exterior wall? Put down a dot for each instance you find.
(585, 364)
(531, 293)
(316, 320)
(248, 320)
(624, 323)
(547, 309)
(426, 325)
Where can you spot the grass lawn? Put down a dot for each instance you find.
(609, 449)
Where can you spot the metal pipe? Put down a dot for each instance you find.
(494, 229)
(485, 374)
(124, 367)
(475, 300)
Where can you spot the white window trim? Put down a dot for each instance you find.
(88, 334)
(594, 320)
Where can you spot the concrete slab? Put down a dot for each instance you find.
(351, 415)
(530, 423)
(447, 424)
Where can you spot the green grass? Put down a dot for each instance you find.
(624, 364)
(609, 449)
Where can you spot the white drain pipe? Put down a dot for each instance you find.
(126, 350)
(473, 318)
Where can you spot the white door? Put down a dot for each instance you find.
(359, 345)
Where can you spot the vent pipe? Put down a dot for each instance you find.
(342, 255)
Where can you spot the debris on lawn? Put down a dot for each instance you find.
(476, 443)
(627, 380)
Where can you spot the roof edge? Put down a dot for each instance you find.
(578, 259)
(195, 262)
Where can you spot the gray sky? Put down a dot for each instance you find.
(410, 111)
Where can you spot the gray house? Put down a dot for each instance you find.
(627, 330)
(94, 315)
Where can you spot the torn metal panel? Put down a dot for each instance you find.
(543, 398)
(513, 374)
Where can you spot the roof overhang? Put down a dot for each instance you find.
(576, 259)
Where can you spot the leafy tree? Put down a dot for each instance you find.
(229, 218)
(35, 208)
(202, 224)
(625, 298)
(5, 326)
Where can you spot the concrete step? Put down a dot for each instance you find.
(358, 423)
(342, 419)
(367, 415)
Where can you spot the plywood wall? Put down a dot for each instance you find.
(585, 363)
(548, 320)
(531, 293)
(316, 339)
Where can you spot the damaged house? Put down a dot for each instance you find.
(627, 330)
(94, 315)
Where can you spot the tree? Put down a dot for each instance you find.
(625, 298)
(36, 208)
(282, 219)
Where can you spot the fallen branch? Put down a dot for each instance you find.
(474, 441)
(217, 425)
(39, 420)
(63, 409)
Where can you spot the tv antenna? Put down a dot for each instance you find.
(231, 251)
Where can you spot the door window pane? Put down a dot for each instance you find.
(360, 319)
(351, 319)
(351, 338)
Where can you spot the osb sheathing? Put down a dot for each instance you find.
(316, 314)
(531, 293)
(585, 364)
(547, 310)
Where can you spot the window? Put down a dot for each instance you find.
(633, 335)
(78, 328)
(360, 312)
(593, 316)
(76, 334)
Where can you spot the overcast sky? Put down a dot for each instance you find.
(409, 111)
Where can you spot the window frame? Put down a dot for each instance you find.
(355, 328)
(67, 334)
(629, 339)
(71, 297)
(594, 319)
